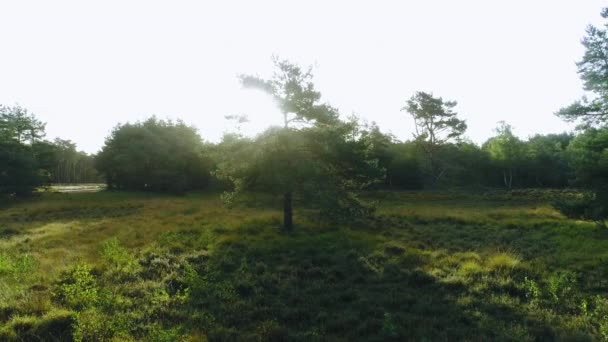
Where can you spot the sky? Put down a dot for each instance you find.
(85, 66)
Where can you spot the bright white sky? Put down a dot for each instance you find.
(85, 66)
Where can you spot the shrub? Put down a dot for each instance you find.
(77, 289)
(55, 326)
(501, 262)
(590, 207)
(532, 290)
(561, 285)
(119, 258)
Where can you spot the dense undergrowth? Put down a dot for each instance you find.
(430, 266)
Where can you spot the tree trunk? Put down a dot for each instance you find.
(287, 212)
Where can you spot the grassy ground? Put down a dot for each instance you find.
(431, 266)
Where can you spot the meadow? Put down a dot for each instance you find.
(120, 266)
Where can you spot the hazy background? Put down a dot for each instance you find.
(85, 66)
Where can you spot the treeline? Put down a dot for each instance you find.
(323, 159)
(542, 161)
(27, 161)
(159, 155)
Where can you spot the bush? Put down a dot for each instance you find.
(592, 207)
(154, 155)
(120, 261)
(54, 326)
(77, 289)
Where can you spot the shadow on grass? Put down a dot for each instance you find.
(339, 285)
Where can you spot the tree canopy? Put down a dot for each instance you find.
(435, 124)
(154, 155)
(593, 70)
(315, 155)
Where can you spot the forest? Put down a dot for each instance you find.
(323, 228)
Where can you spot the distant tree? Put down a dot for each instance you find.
(546, 160)
(466, 164)
(16, 123)
(506, 151)
(435, 124)
(69, 165)
(314, 154)
(404, 169)
(379, 148)
(593, 70)
(20, 170)
(154, 155)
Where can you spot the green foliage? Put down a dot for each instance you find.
(19, 172)
(294, 92)
(119, 259)
(507, 151)
(16, 265)
(561, 285)
(436, 124)
(27, 162)
(434, 265)
(586, 207)
(532, 290)
(434, 119)
(77, 289)
(588, 155)
(594, 74)
(315, 156)
(56, 325)
(154, 155)
(17, 124)
(66, 164)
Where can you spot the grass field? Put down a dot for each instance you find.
(431, 266)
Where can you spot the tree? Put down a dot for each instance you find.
(379, 148)
(314, 154)
(588, 155)
(590, 149)
(295, 95)
(404, 169)
(19, 125)
(435, 123)
(20, 170)
(506, 150)
(546, 160)
(593, 70)
(66, 164)
(154, 155)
